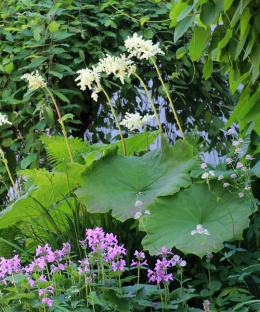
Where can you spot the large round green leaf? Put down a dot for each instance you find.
(118, 182)
(173, 218)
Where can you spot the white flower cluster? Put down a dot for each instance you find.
(200, 230)
(134, 121)
(142, 49)
(120, 66)
(86, 78)
(35, 81)
(4, 120)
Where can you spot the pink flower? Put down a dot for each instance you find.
(229, 160)
(221, 177)
(203, 165)
(241, 195)
(239, 165)
(240, 140)
(231, 131)
(48, 301)
(238, 151)
(233, 176)
(247, 187)
(147, 212)
(244, 168)
(200, 230)
(138, 203)
(137, 215)
(249, 157)
(205, 175)
(235, 143)
(226, 184)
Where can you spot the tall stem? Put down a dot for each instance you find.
(8, 171)
(151, 101)
(114, 114)
(61, 122)
(168, 95)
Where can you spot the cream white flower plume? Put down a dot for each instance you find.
(36, 81)
(134, 121)
(4, 120)
(142, 49)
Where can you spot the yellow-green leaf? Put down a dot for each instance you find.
(54, 26)
(198, 41)
(207, 69)
(9, 67)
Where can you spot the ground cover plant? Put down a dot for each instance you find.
(123, 226)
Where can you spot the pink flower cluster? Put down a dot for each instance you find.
(160, 272)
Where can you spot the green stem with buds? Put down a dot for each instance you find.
(150, 99)
(169, 98)
(114, 114)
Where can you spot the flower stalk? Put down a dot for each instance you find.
(118, 125)
(8, 171)
(169, 98)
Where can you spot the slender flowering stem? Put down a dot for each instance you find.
(114, 114)
(150, 99)
(168, 95)
(61, 122)
(8, 171)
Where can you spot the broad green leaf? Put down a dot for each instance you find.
(180, 52)
(28, 160)
(207, 69)
(61, 96)
(67, 116)
(244, 22)
(210, 12)
(54, 26)
(143, 20)
(227, 4)
(197, 43)
(175, 12)
(137, 143)
(36, 34)
(118, 182)
(9, 67)
(186, 11)
(256, 169)
(173, 218)
(56, 74)
(225, 40)
(49, 188)
(182, 27)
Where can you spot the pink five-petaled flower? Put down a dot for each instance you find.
(241, 194)
(238, 151)
(239, 165)
(203, 165)
(48, 301)
(231, 131)
(235, 143)
(229, 160)
(240, 140)
(233, 176)
(226, 184)
(221, 177)
(147, 212)
(249, 157)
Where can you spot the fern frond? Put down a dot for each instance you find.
(58, 153)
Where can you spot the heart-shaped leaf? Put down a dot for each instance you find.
(118, 182)
(173, 218)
